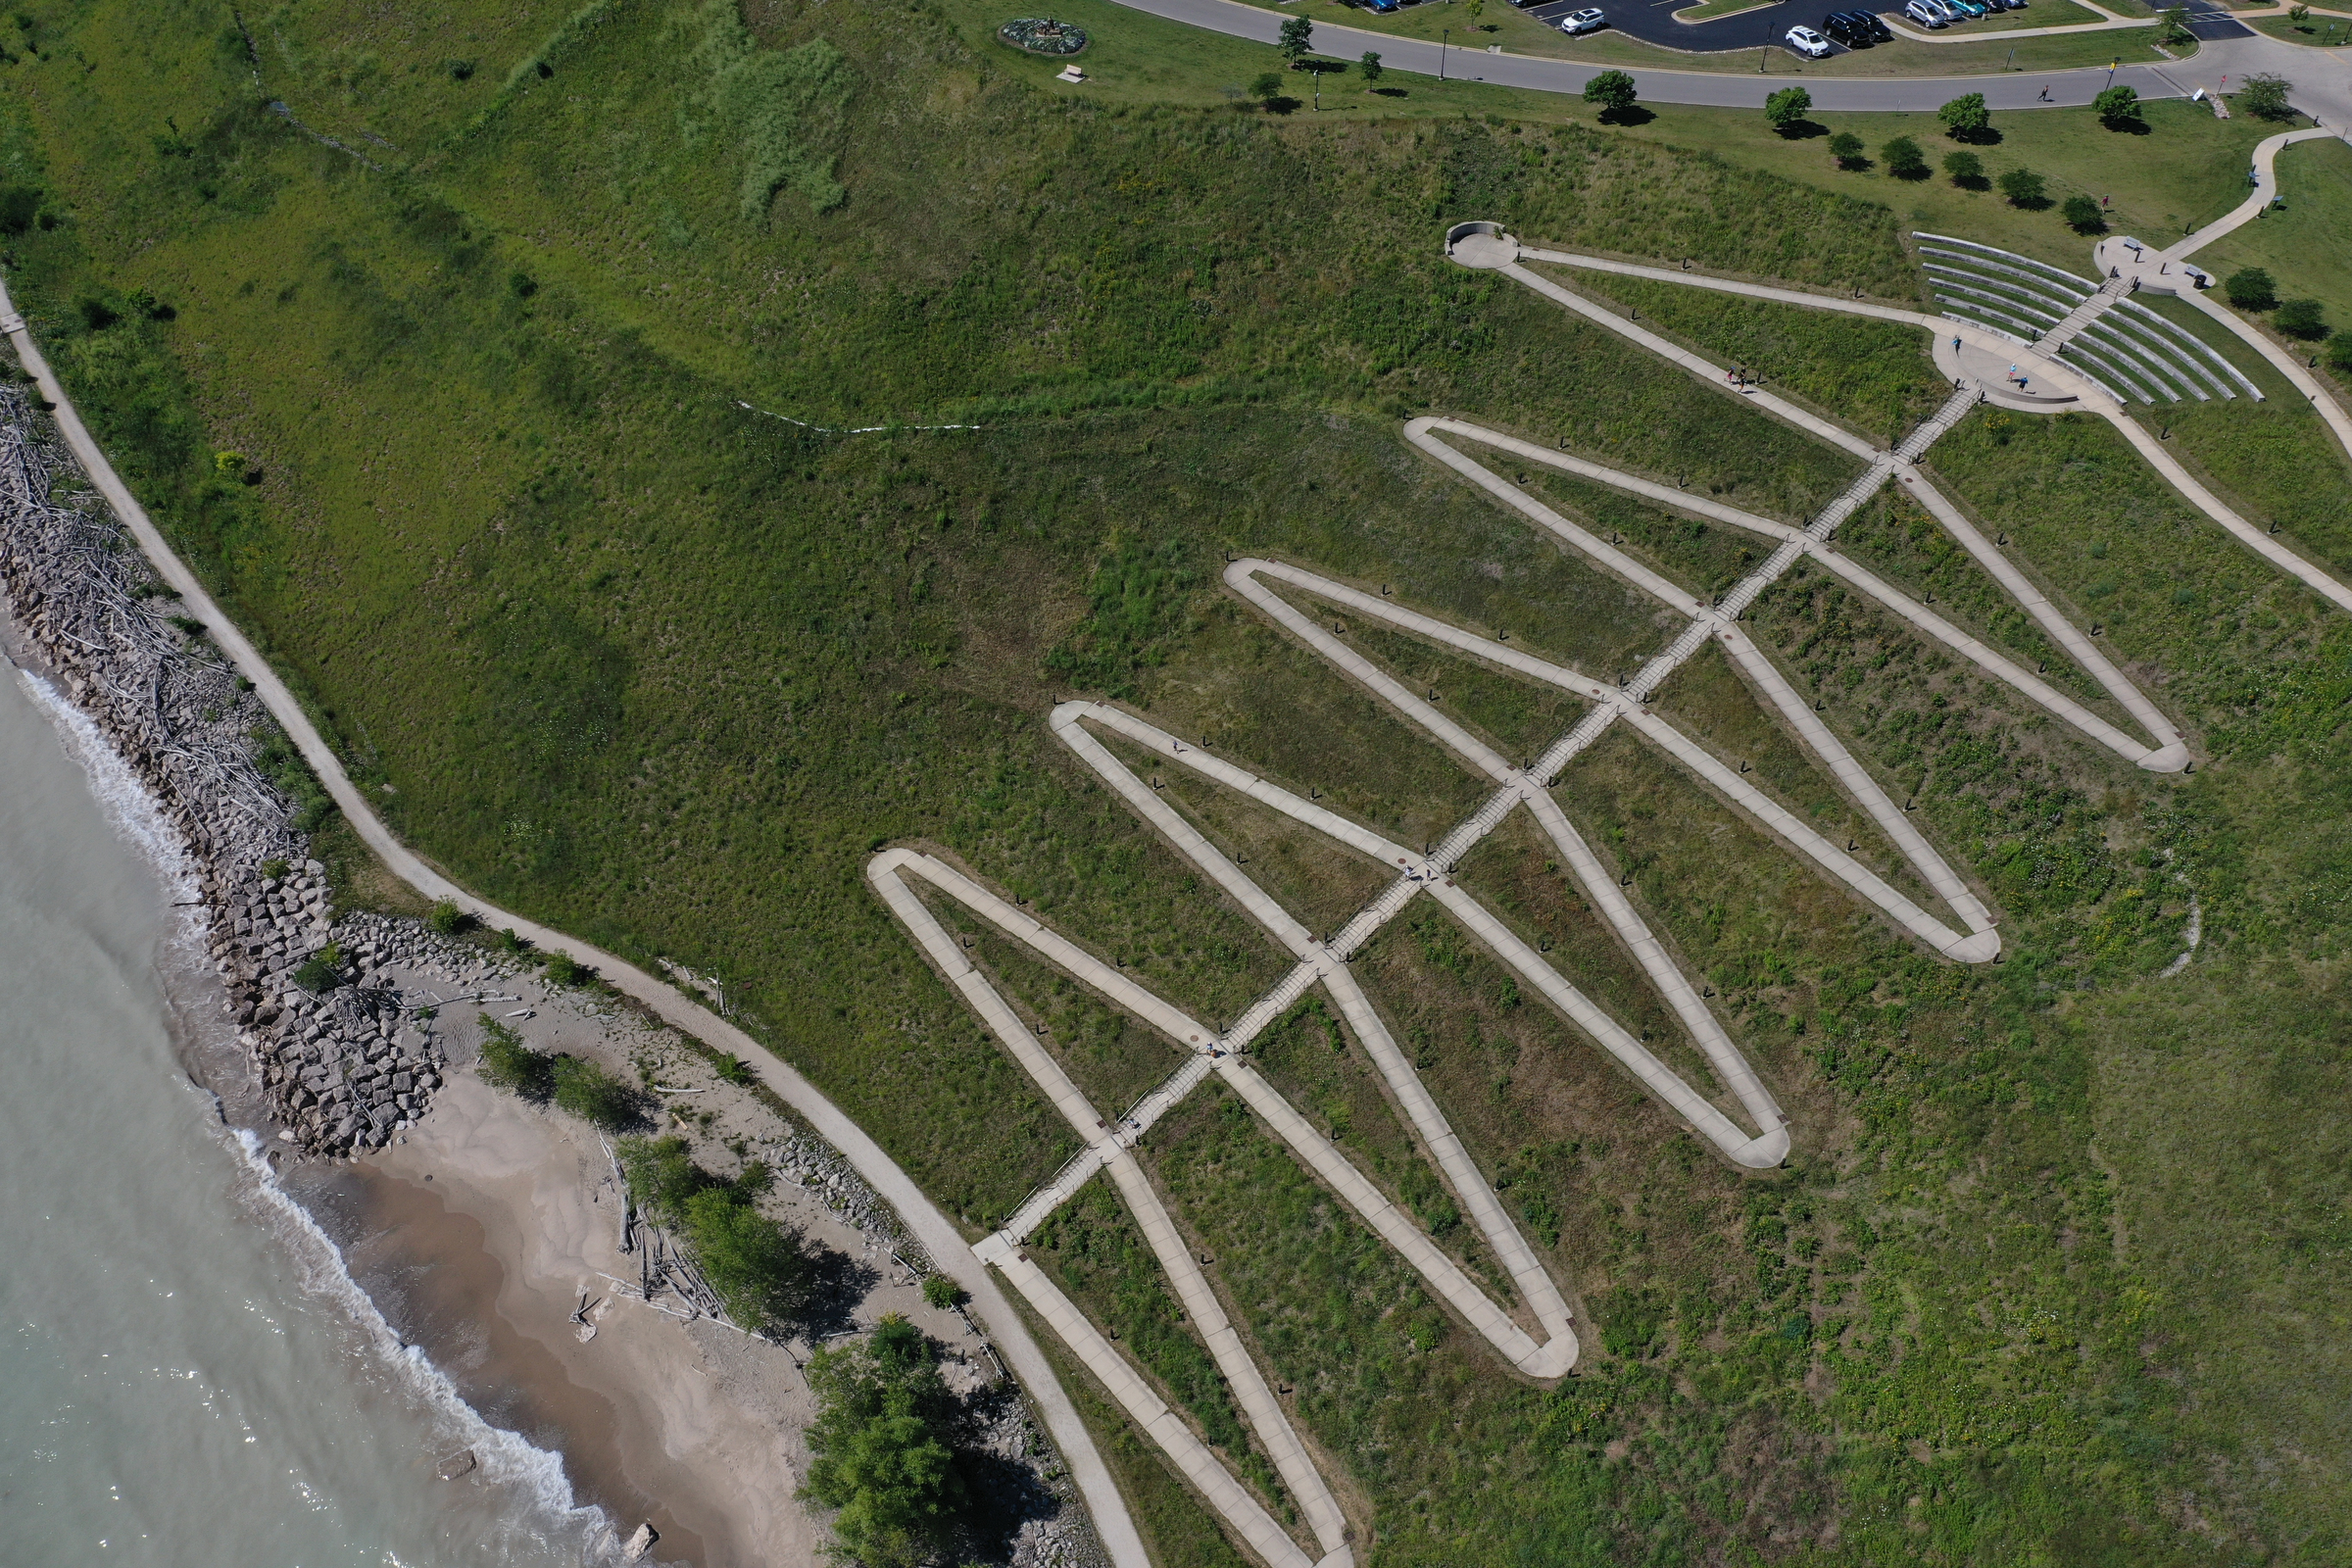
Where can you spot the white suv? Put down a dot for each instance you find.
(1806, 41)
(1588, 19)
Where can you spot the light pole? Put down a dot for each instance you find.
(1443, 34)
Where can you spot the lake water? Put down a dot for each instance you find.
(187, 1373)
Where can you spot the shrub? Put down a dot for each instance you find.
(508, 942)
(19, 205)
(322, 971)
(2301, 319)
(2250, 288)
(273, 868)
(2084, 213)
(1267, 87)
(2264, 96)
(448, 919)
(1904, 160)
(2174, 27)
(1846, 148)
(661, 1175)
(1613, 90)
(760, 1269)
(595, 1096)
(942, 1292)
(734, 1070)
(563, 970)
(881, 1448)
(1369, 65)
(1965, 117)
(1965, 168)
(1787, 109)
(2025, 188)
(2115, 106)
(2339, 352)
(507, 1063)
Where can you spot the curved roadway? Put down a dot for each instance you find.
(2323, 85)
(939, 1237)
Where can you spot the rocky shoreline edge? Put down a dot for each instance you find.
(348, 1067)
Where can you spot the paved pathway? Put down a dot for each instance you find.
(2087, 394)
(931, 1228)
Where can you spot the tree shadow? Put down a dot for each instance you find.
(1914, 174)
(1390, 92)
(1004, 1494)
(1801, 130)
(1630, 114)
(1975, 182)
(2132, 127)
(1988, 136)
(1284, 105)
(838, 1283)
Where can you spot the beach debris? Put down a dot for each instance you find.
(457, 1464)
(638, 1544)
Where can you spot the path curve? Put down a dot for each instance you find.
(2073, 87)
(938, 1235)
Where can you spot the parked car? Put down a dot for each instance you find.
(1380, 7)
(1848, 27)
(1588, 19)
(1806, 41)
(1968, 8)
(1925, 12)
(1878, 26)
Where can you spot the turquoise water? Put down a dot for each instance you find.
(187, 1373)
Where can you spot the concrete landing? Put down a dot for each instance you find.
(1992, 371)
(2121, 255)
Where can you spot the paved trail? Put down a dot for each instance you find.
(936, 1233)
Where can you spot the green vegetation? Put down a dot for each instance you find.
(2083, 214)
(663, 671)
(2297, 243)
(2117, 107)
(1904, 159)
(1786, 108)
(507, 1063)
(940, 1292)
(883, 1447)
(322, 971)
(1846, 148)
(449, 921)
(764, 1271)
(2250, 288)
(1612, 90)
(580, 1087)
(2024, 189)
(1966, 119)
(2264, 97)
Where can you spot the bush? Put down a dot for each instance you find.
(1787, 107)
(1965, 168)
(1846, 148)
(1369, 65)
(1965, 117)
(507, 1063)
(563, 970)
(1267, 87)
(2339, 352)
(448, 919)
(2084, 213)
(942, 1292)
(1904, 160)
(2117, 106)
(881, 1448)
(2025, 188)
(734, 1070)
(2301, 319)
(322, 971)
(2250, 289)
(2264, 96)
(1613, 90)
(661, 1175)
(762, 1271)
(19, 205)
(595, 1096)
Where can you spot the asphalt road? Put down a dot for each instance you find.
(2239, 52)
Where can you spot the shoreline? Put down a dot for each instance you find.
(462, 1217)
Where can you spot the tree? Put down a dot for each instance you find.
(1267, 87)
(1846, 148)
(2174, 28)
(1904, 160)
(2301, 319)
(760, 1269)
(2115, 106)
(1965, 117)
(1296, 35)
(2084, 213)
(1371, 65)
(1965, 168)
(1613, 90)
(2250, 289)
(2298, 13)
(881, 1450)
(2264, 96)
(2025, 188)
(1477, 9)
(1787, 109)
(506, 1063)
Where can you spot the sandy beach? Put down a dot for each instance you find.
(483, 1229)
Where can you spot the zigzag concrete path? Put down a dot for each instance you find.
(938, 1235)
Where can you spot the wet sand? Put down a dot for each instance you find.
(479, 1234)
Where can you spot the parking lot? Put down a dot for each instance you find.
(1652, 21)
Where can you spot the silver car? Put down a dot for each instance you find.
(1925, 12)
(1588, 19)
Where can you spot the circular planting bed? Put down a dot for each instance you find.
(1042, 35)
